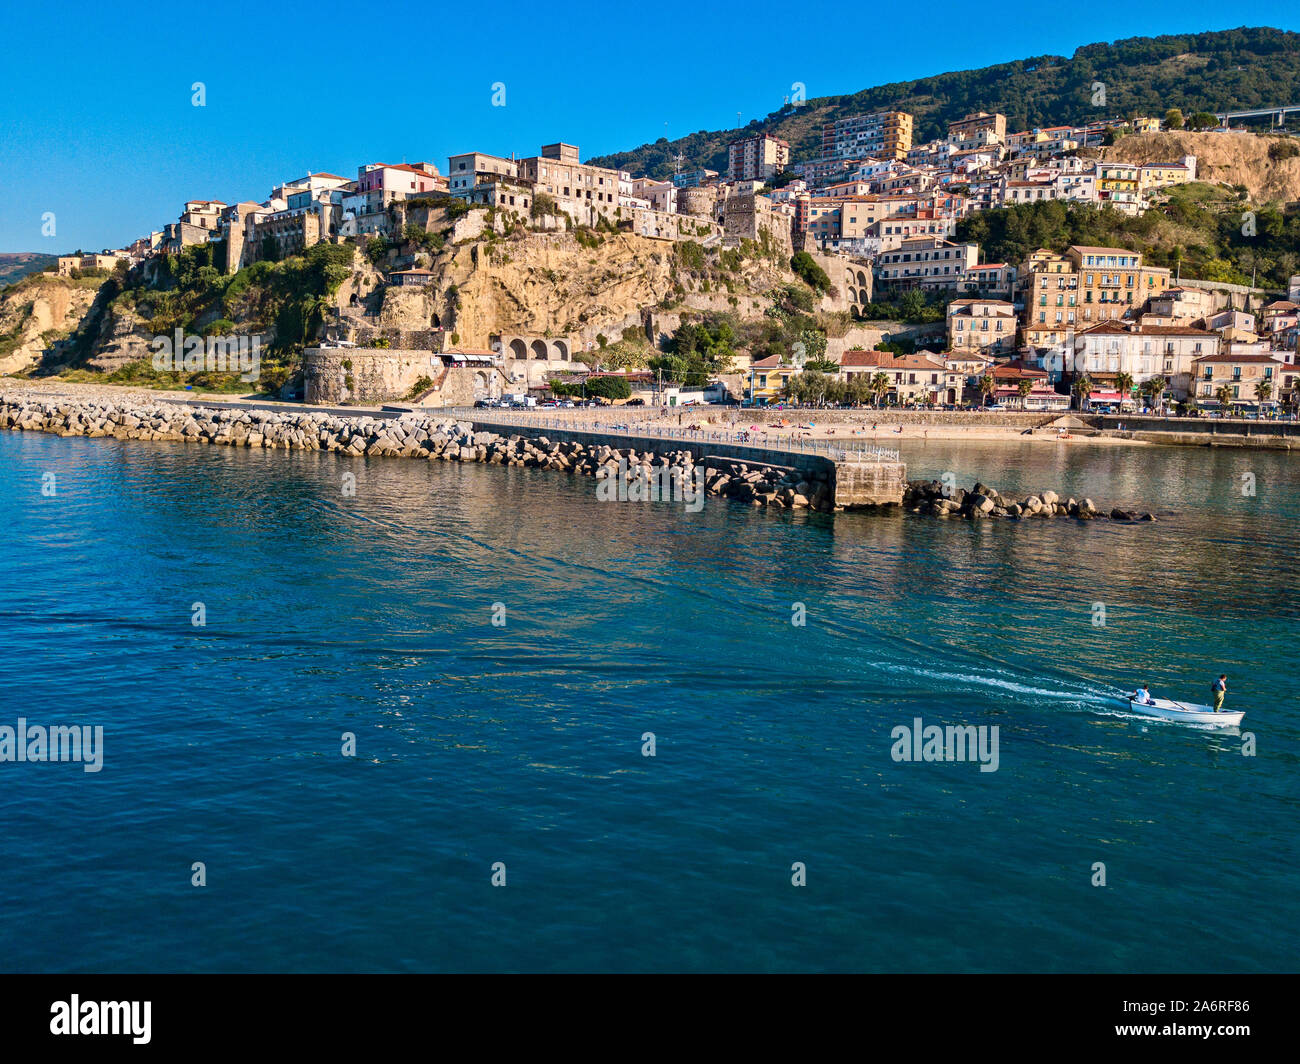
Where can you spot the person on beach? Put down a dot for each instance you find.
(1219, 689)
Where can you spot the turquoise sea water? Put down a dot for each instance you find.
(522, 743)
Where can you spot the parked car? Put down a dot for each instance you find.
(635, 402)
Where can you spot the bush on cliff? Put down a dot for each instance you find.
(807, 270)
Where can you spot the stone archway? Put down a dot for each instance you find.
(862, 279)
(539, 350)
(518, 349)
(562, 350)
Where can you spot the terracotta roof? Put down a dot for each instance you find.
(1122, 327)
(887, 360)
(1017, 371)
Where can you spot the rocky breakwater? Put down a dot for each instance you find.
(428, 437)
(771, 486)
(933, 498)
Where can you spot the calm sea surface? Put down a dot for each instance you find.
(522, 743)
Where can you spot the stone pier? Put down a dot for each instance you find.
(868, 483)
(856, 482)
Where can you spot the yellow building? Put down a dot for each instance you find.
(768, 378)
(1242, 375)
(1164, 175)
(1113, 281)
(1051, 298)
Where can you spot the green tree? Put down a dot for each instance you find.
(879, 387)
(609, 387)
(807, 270)
(1173, 118)
(1083, 388)
(1154, 388)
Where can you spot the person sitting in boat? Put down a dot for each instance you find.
(1143, 696)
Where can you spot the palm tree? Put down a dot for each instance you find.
(1083, 388)
(1155, 388)
(879, 386)
(1263, 390)
(987, 385)
(1024, 388)
(1124, 384)
(1224, 394)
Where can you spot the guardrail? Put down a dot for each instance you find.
(792, 440)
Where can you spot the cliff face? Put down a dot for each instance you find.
(554, 284)
(1224, 158)
(37, 312)
(562, 284)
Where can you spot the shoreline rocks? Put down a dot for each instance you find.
(436, 438)
(932, 498)
(429, 437)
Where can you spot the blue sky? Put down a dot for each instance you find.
(97, 124)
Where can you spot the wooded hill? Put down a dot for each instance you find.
(1236, 69)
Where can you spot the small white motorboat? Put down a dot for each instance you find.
(1167, 709)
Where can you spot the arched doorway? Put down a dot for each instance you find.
(561, 350)
(539, 350)
(517, 349)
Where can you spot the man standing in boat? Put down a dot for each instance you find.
(1219, 689)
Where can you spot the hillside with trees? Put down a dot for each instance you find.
(1205, 232)
(1201, 72)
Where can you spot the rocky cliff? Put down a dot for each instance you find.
(485, 279)
(39, 311)
(1259, 163)
(577, 285)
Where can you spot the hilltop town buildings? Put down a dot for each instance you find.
(882, 212)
